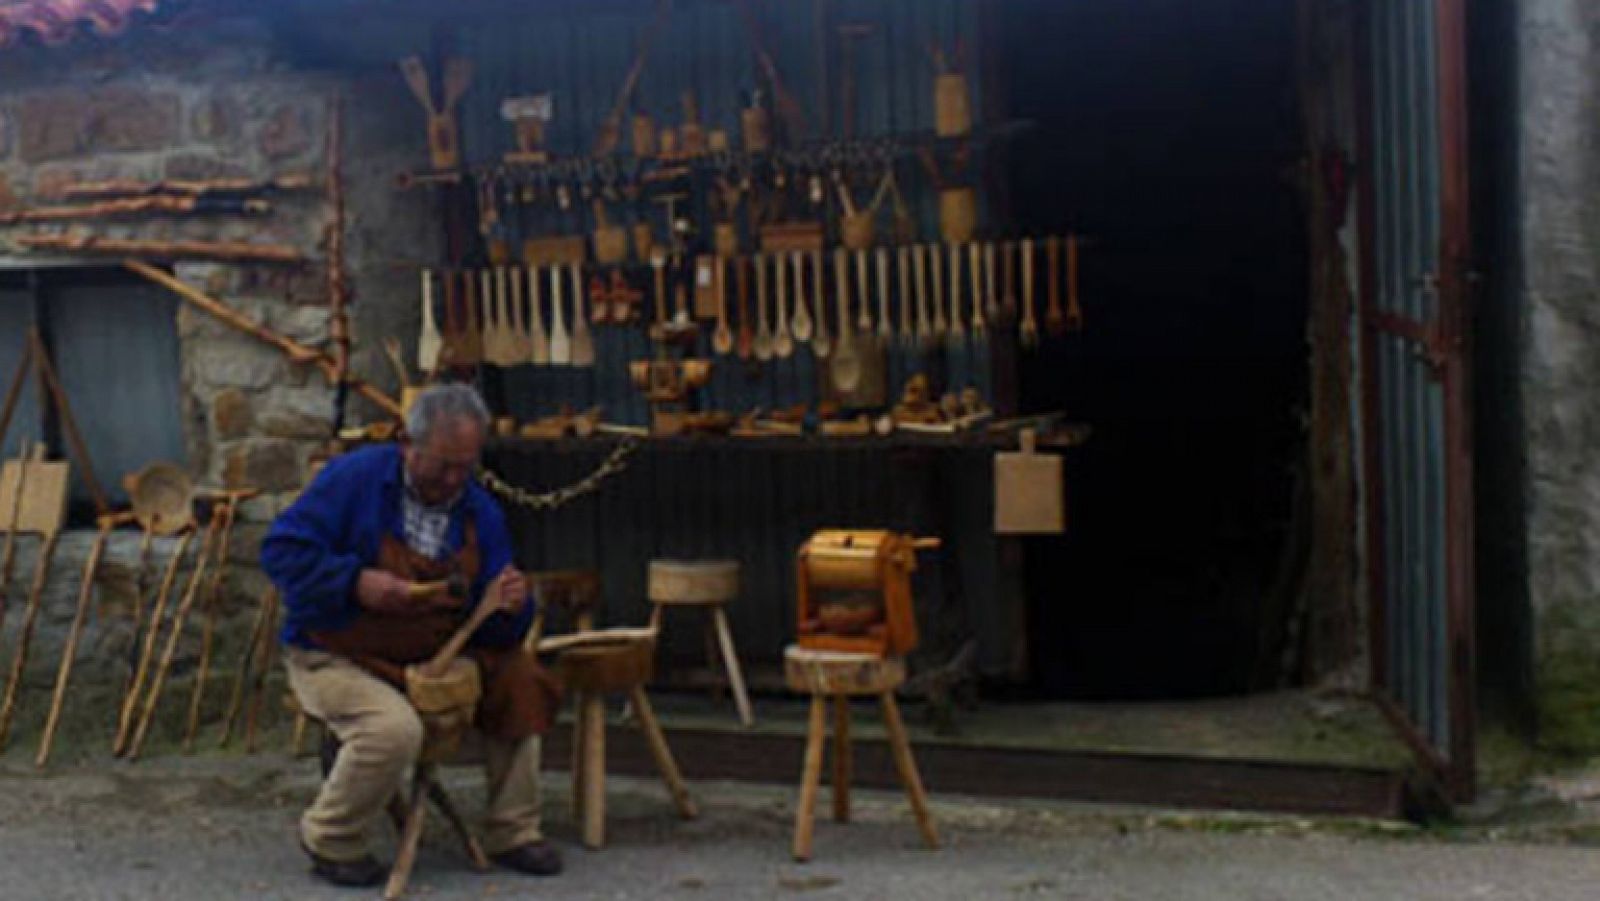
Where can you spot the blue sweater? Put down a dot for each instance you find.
(316, 548)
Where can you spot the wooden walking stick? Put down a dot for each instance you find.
(130, 696)
(269, 647)
(64, 671)
(175, 633)
(41, 570)
(228, 511)
(12, 524)
(242, 675)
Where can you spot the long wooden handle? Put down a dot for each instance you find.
(297, 353)
(488, 605)
(64, 670)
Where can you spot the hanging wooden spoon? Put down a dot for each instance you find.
(540, 355)
(822, 346)
(746, 342)
(429, 341)
(471, 331)
(920, 268)
(521, 346)
(864, 320)
(1008, 281)
(936, 271)
(763, 336)
(722, 337)
(1055, 318)
(958, 326)
(802, 327)
(979, 301)
(846, 363)
(782, 341)
(560, 342)
(1030, 324)
(903, 259)
(885, 327)
(1074, 309)
(582, 338)
(991, 279)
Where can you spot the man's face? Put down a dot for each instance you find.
(440, 467)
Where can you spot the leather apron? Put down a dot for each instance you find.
(520, 698)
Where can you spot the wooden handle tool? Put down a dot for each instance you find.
(1030, 323)
(763, 346)
(864, 318)
(958, 326)
(428, 342)
(539, 354)
(908, 335)
(920, 267)
(521, 347)
(1074, 320)
(782, 340)
(746, 344)
(560, 341)
(885, 327)
(582, 337)
(1055, 318)
(936, 272)
(802, 327)
(979, 301)
(722, 337)
(822, 346)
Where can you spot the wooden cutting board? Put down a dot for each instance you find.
(1029, 496)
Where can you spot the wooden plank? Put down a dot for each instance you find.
(44, 495)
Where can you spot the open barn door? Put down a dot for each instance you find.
(1416, 390)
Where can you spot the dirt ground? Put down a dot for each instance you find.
(174, 829)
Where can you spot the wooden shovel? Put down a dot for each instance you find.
(925, 334)
(15, 522)
(1074, 318)
(560, 343)
(428, 342)
(885, 326)
(582, 338)
(497, 327)
(979, 301)
(864, 318)
(991, 282)
(539, 354)
(936, 272)
(908, 335)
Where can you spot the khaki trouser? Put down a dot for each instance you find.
(380, 738)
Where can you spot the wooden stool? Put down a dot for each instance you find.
(838, 676)
(703, 583)
(593, 664)
(408, 815)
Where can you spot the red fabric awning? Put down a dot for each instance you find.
(57, 21)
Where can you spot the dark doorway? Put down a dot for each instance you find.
(1167, 135)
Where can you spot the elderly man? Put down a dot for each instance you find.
(345, 556)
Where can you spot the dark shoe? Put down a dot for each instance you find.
(363, 872)
(538, 858)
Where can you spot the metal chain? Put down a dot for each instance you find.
(551, 500)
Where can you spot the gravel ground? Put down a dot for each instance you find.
(220, 828)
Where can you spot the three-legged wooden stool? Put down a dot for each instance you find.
(592, 664)
(837, 677)
(709, 584)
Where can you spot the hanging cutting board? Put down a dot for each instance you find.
(1029, 494)
(44, 495)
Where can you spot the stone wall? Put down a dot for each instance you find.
(220, 100)
(1559, 199)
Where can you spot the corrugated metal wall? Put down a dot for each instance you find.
(752, 502)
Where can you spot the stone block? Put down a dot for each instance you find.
(198, 167)
(234, 363)
(231, 414)
(287, 133)
(216, 120)
(268, 465)
(118, 118)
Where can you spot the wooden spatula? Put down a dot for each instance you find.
(582, 338)
(560, 342)
(822, 345)
(539, 354)
(428, 342)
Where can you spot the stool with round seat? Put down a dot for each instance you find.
(710, 585)
(836, 677)
(591, 664)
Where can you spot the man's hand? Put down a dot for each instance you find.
(384, 592)
(509, 591)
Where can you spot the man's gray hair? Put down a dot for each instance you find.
(444, 403)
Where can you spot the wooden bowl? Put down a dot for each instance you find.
(162, 496)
